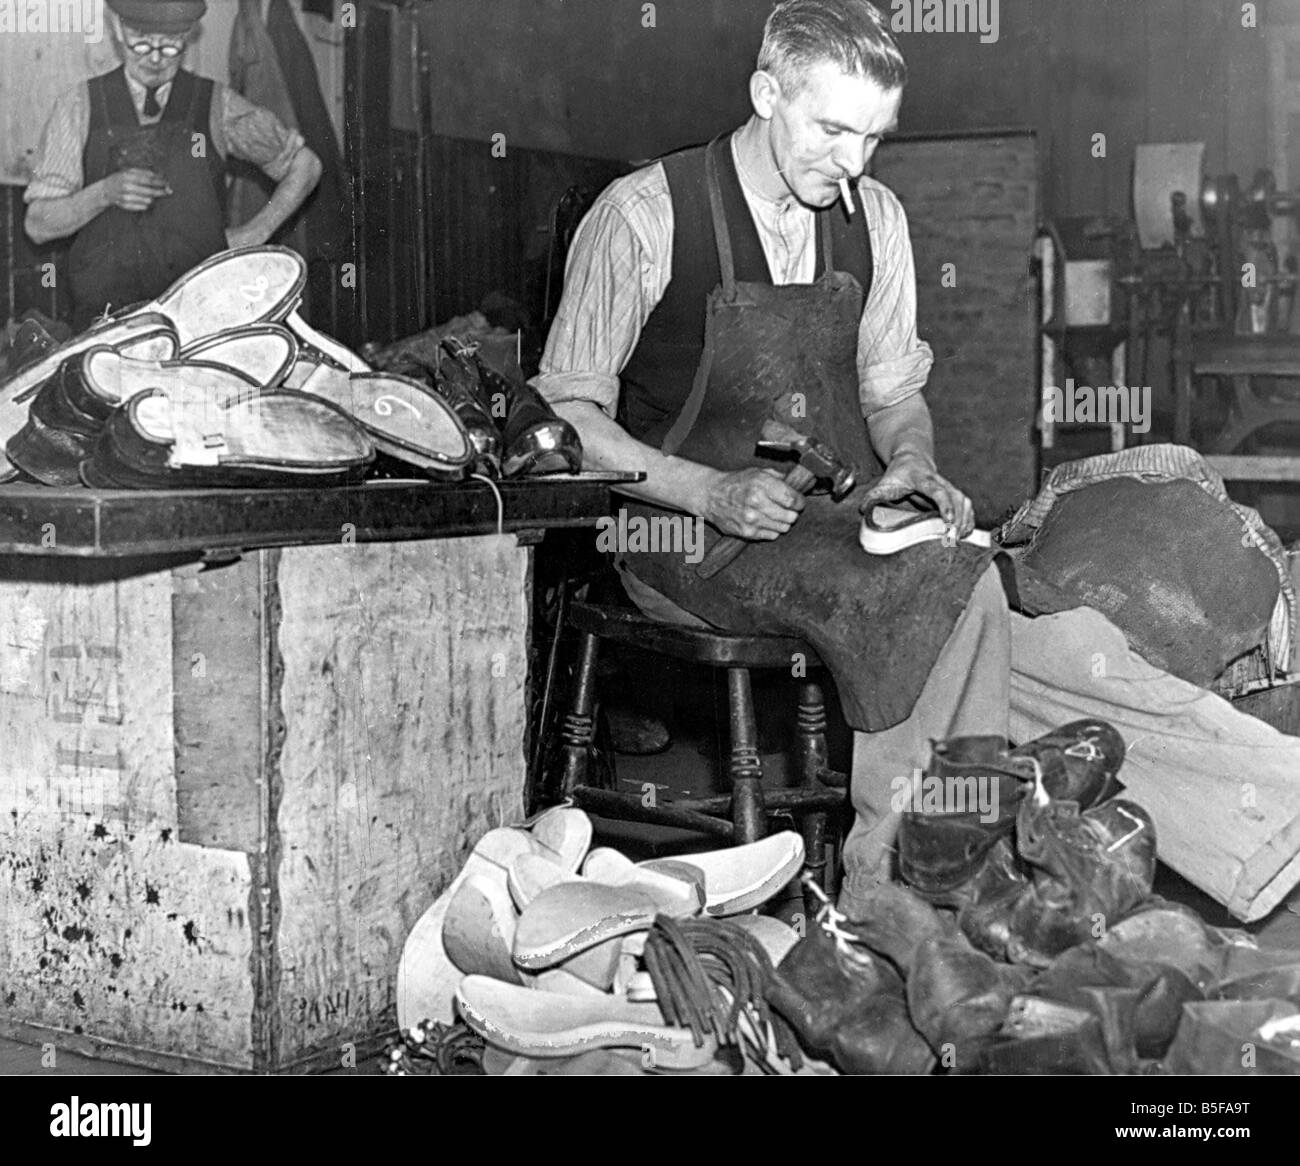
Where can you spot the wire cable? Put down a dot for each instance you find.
(501, 508)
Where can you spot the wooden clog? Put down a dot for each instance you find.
(426, 978)
(741, 878)
(546, 1024)
(571, 917)
(479, 929)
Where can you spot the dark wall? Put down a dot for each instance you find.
(567, 80)
(586, 77)
(1155, 71)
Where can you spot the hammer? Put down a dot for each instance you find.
(816, 461)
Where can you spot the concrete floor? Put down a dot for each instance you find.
(26, 1061)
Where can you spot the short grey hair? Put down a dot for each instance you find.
(849, 33)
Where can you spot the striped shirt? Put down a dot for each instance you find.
(620, 264)
(237, 128)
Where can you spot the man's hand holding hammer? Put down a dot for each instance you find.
(817, 463)
(754, 504)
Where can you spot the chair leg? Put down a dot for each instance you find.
(747, 812)
(813, 828)
(579, 728)
(810, 731)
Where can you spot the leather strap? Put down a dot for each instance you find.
(721, 236)
(823, 228)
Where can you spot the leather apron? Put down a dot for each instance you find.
(124, 257)
(878, 622)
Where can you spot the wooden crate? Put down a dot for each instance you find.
(227, 794)
(1278, 706)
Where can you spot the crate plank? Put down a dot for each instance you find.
(85, 696)
(133, 938)
(217, 665)
(381, 796)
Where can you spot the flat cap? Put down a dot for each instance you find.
(160, 16)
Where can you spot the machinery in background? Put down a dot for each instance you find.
(1196, 269)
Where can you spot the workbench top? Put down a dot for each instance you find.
(78, 522)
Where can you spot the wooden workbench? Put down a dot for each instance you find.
(248, 737)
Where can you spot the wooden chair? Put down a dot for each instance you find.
(740, 816)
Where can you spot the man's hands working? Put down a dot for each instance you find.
(912, 473)
(756, 504)
(752, 504)
(903, 435)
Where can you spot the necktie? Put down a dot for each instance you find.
(151, 106)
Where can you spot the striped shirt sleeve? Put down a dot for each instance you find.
(253, 134)
(893, 362)
(57, 171)
(619, 266)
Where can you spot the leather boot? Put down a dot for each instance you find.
(895, 923)
(29, 344)
(537, 440)
(847, 1005)
(941, 849)
(1170, 934)
(959, 998)
(1089, 977)
(458, 381)
(1080, 760)
(987, 901)
(57, 436)
(1092, 869)
(1047, 1038)
(1238, 1038)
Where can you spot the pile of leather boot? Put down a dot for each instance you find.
(568, 960)
(1031, 846)
(1028, 940)
(220, 382)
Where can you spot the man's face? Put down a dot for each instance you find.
(150, 68)
(827, 130)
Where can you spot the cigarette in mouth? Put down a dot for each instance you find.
(846, 194)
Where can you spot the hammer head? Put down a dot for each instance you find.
(815, 456)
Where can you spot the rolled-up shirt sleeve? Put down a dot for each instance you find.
(893, 361)
(254, 134)
(614, 279)
(57, 171)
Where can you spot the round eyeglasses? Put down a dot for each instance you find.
(166, 50)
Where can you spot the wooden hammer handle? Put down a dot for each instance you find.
(727, 549)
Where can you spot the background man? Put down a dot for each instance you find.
(132, 164)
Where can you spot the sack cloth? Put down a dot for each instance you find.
(1149, 538)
